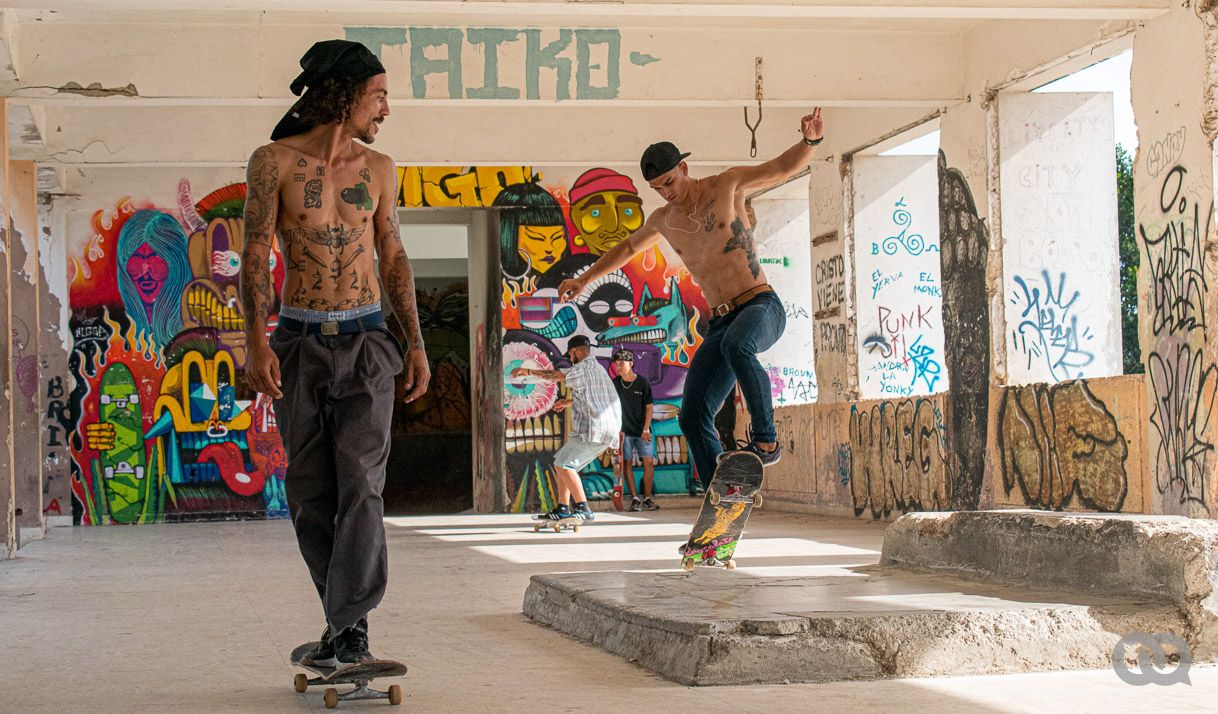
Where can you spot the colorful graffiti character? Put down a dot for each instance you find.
(201, 429)
(605, 209)
(212, 298)
(151, 253)
(533, 234)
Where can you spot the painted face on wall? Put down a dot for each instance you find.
(148, 271)
(542, 245)
(605, 219)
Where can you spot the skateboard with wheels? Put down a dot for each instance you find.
(572, 522)
(358, 674)
(725, 510)
(617, 497)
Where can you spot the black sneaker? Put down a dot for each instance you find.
(636, 504)
(557, 514)
(768, 458)
(650, 505)
(582, 511)
(323, 654)
(351, 645)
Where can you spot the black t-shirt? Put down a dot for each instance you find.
(635, 396)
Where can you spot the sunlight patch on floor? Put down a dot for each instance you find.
(600, 530)
(569, 547)
(474, 520)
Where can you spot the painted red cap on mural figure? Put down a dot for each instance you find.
(598, 180)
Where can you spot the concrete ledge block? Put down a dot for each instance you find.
(1172, 559)
(740, 630)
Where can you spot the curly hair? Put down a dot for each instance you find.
(331, 101)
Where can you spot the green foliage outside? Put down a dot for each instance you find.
(1131, 353)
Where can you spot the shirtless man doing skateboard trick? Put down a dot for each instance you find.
(705, 222)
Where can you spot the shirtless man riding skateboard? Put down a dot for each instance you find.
(705, 222)
(330, 363)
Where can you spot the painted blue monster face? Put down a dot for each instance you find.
(658, 321)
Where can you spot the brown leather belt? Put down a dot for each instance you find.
(742, 298)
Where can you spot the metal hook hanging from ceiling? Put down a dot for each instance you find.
(752, 127)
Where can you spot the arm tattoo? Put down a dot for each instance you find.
(261, 206)
(398, 279)
(743, 238)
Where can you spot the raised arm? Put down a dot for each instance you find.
(397, 280)
(782, 167)
(645, 237)
(257, 286)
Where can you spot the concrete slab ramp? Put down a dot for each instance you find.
(929, 609)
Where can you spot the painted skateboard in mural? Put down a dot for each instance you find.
(358, 674)
(124, 484)
(571, 522)
(729, 500)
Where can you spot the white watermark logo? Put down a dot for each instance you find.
(1152, 659)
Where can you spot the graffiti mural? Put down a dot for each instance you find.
(161, 426)
(1183, 379)
(898, 458)
(964, 239)
(548, 234)
(899, 289)
(1060, 442)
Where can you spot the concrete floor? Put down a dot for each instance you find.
(201, 617)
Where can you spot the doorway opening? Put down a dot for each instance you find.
(431, 452)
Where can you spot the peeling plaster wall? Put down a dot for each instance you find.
(1174, 206)
(1081, 445)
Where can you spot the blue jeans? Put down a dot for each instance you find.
(727, 356)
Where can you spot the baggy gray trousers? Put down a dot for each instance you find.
(334, 418)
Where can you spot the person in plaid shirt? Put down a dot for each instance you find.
(596, 422)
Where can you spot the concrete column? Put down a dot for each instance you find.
(971, 277)
(53, 379)
(1174, 96)
(27, 420)
(833, 307)
(8, 519)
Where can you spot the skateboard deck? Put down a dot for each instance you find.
(572, 522)
(617, 497)
(725, 510)
(358, 674)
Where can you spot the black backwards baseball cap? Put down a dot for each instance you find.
(578, 341)
(340, 59)
(660, 158)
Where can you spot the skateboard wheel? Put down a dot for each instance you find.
(537, 528)
(687, 565)
(758, 500)
(331, 698)
(730, 565)
(714, 498)
(557, 528)
(301, 682)
(395, 694)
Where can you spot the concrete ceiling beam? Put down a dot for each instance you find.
(218, 64)
(678, 12)
(214, 136)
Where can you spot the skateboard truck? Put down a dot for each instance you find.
(331, 697)
(357, 674)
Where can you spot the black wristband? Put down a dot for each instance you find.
(813, 142)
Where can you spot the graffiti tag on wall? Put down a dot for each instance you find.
(1059, 443)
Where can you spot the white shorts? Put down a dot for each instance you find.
(577, 453)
